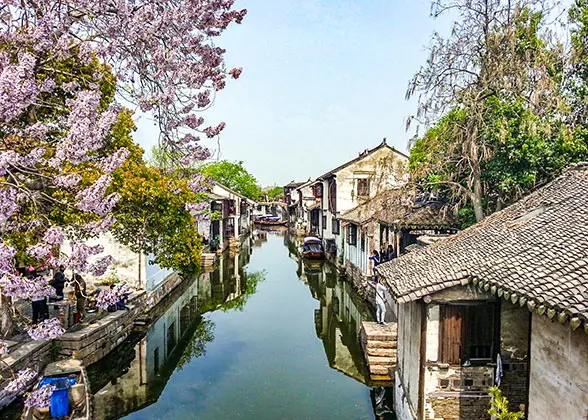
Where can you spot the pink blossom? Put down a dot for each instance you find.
(40, 398)
(214, 131)
(22, 380)
(7, 254)
(67, 181)
(96, 228)
(236, 72)
(54, 236)
(111, 163)
(99, 267)
(46, 330)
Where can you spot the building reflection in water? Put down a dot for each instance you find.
(338, 324)
(135, 374)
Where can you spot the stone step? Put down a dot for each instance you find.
(381, 370)
(381, 378)
(375, 331)
(377, 344)
(384, 352)
(381, 361)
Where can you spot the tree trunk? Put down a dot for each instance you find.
(477, 191)
(6, 321)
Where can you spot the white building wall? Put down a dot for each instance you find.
(385, 168)
(407, 370)
(558, 383)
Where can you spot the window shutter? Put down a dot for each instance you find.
(450, 334)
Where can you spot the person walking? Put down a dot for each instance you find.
(380, 300)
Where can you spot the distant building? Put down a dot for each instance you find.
(348, 186)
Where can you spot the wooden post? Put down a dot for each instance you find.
(398, 235)
(139, 276)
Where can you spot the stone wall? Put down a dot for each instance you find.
(32, 354)
(468, 407)
(98, 339)
(558, 386)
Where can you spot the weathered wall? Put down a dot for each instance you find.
(409, 342)
(514, 350)
(385, 168)
(559, 371)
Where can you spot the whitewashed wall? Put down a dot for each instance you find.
(558, 386)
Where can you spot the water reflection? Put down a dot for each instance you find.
(240, 342)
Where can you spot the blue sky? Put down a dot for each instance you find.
(322, 81)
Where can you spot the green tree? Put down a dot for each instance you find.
(232, 175)
(152, 217)
(275, 193)
(497, 85)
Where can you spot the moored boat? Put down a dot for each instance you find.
(71, 398)
(313, 248)
(269, 220)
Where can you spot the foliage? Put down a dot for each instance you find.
(493, 103)
(232, 175)
(196, 346)
(152, 217)
(275, 193)
(499, 406)
(252, 281)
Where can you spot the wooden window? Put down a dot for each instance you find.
(335, 226)
(363, 187)
(467, 332)
(332, 196)
(318, 190)
(229, 208)
(352, 234)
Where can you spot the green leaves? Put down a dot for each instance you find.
(233, 175)
(499, 406)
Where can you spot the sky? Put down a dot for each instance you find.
(322, 81)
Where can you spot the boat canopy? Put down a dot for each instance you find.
(312, 239)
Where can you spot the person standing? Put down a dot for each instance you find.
(81, 297)
(374, 261)
(380, 300)
(58, 281)
(40, 309)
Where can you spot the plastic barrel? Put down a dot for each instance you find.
(60, 399)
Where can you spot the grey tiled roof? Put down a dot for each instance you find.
(397, 207)
(534, 253)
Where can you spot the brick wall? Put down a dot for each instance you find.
(458, 407)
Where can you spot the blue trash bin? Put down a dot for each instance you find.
(60, 398)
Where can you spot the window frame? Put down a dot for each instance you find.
(457, 328)
(335, 223)
(352, 234)
(363, 191)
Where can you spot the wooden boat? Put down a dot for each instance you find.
(79, 395)
(269, 221)
(313, 248)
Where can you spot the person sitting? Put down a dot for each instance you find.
(58, 282)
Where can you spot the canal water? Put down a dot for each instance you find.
(263, 336)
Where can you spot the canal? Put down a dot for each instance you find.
(263, 336)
